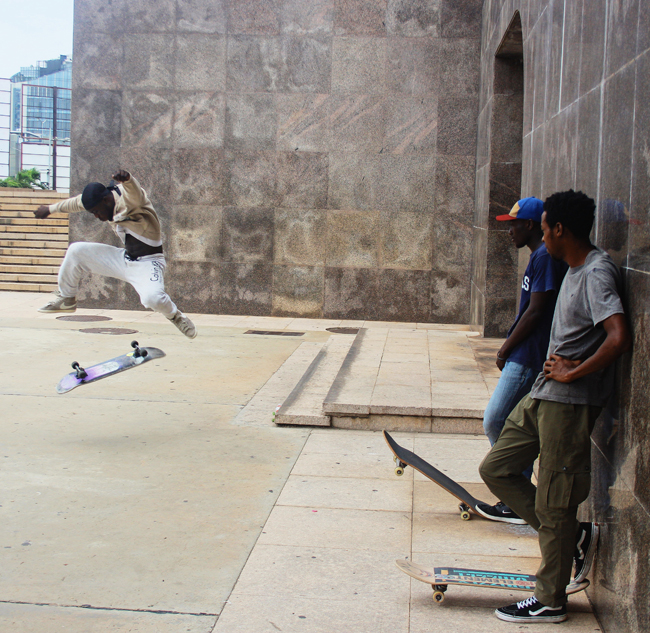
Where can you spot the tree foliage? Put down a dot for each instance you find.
(25, 179)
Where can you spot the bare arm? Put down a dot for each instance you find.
(529, 321)
(617, 342)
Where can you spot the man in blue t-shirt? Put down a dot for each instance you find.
(521, 358)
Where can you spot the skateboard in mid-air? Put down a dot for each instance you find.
(81, 376)
(440, 577)
(404, 457)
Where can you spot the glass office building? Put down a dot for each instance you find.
(40, 121)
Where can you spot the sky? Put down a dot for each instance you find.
(33, 31)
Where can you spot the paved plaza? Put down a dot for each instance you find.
(165, 500)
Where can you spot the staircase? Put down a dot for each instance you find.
(31, 250)
(433, 380)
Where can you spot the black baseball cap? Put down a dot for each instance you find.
(93, 194)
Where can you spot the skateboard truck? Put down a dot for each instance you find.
(138, 352)
(81, 372)
(439, 592)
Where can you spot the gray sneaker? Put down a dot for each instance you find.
(60, 303)
(184, 324)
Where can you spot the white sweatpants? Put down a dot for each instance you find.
(146, 274)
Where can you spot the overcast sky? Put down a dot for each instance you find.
(33, 31)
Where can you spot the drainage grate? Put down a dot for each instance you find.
(83, 317)
(269, 333)
(107, 330)
(343, 330)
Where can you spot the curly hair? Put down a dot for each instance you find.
(572, 209)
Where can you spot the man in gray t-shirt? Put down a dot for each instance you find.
(556, 419)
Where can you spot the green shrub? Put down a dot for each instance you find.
(25, 179)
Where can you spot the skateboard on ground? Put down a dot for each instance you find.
(404, 457)
(440, 577)
(81, 376)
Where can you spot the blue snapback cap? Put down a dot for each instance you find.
(525, 209)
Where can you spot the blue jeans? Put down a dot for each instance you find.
(515, 382)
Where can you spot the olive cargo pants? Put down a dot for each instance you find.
(560, 434)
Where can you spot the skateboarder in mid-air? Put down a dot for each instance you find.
(555, 420)
(127, 208)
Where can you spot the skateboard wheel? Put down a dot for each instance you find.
(399, 471)
(75, 365)
(465, 516)
(134, 344)
(438, 596)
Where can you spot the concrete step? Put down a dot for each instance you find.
(28, 278)
(25, 205)
(28, 268)
(26, 229)
(304, 406)
(396, 379)
(409, 380)
(40, 194)
(260, 409)
(17, 260)
(26, 287)
(27, 243)
(30, 220)
(27, 212)
(22, 251)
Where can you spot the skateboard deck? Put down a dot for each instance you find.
(404, 457)
(440, 577)
(81, 376)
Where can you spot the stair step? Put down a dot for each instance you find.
(29, 214)
(36, 260)
(26, 287)
(12, 230)
(20, 251)
(28, 278)
(10, 192)
(18, 243)
(30, 220)
(260, 409)
(29, 269)
(304, 406)
(23, 205)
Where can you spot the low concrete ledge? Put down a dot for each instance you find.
(410, 424)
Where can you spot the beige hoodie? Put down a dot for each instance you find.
(133, 213)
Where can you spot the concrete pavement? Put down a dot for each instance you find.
(162, 500)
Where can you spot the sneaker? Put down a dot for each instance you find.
(499, 512)
(585, 550)
(184, 324)
(60, 303)
(531, 610)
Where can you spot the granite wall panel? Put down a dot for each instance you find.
(298, 291)
(586, 116)
(294, 149)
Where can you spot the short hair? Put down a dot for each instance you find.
(574, 210)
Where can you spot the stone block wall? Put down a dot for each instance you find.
(586, 126)
(307, 157)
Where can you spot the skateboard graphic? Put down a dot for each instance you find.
(440, 577)
(81, 376)
(404, 457)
